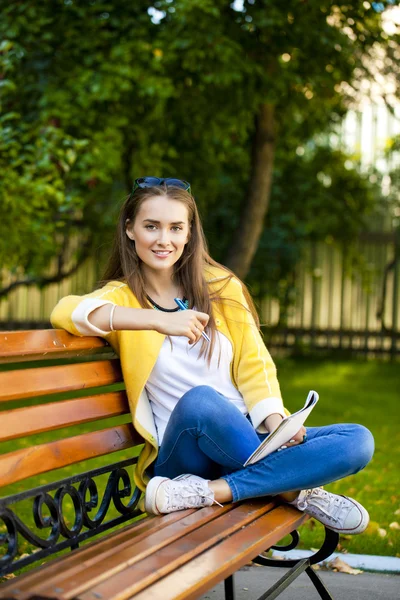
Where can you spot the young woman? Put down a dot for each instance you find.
(203, 403)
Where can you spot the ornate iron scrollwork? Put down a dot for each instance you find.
(84, 499)
(329, 545)
(293, 544)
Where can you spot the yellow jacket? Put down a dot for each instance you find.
(252, 370)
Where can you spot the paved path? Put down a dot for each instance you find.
(251, 582)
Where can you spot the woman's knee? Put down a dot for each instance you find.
(366, 445)
(200, 400)
(361, 447)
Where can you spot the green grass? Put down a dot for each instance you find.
(350, 391)
(356, 392)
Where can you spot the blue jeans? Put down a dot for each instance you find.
(209, 437)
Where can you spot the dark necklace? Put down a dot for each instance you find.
(158, 307)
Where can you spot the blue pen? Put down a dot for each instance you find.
(183, 307)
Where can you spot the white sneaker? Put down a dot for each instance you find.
(339, 513)
(165, 495)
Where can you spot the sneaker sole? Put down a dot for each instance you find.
(150, 504)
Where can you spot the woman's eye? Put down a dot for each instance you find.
(153, 227)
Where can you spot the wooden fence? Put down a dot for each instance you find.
(338, 307)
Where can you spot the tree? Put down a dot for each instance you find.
(270, 78)
(80, 87)
(97, 93)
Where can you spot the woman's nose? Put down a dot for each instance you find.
(163, 236)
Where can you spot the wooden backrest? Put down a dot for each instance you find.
(35, 368)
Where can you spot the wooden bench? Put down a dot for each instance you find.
(180, 555)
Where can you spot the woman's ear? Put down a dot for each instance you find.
(128, 231)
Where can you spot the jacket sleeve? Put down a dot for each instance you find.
(71, 313)
(255, 372)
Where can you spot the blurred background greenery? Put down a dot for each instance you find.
(97, 93)
(285, 119)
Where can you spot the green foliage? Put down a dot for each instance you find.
(74, 80)
(391, 208)
(95, 94)
(35, 197)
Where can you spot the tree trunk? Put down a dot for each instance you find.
(245, 239)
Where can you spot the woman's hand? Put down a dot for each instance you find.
(296, 439)
(272, 422)
(189, 323)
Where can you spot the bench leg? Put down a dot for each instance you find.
(319, 585)
(229, 588)
(301, 566)
(285, 581)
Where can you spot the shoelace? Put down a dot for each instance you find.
(334, 508)
(186, 477)
(192, 491)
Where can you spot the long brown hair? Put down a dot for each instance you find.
(125, 265)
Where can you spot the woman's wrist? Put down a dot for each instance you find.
(133, 319)
(272, 421)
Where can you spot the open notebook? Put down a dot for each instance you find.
(285, 430)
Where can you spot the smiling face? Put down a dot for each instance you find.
(160, 232)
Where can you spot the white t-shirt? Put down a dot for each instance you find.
(179, 369)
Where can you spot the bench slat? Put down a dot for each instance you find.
(38, 344)
(22, 422)
(132, 578)
(143, 549)
(28, 383)
(72, 579)
(25, 463)
(51, 574)
(199, 575)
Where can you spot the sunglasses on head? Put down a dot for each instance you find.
(145, 182)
